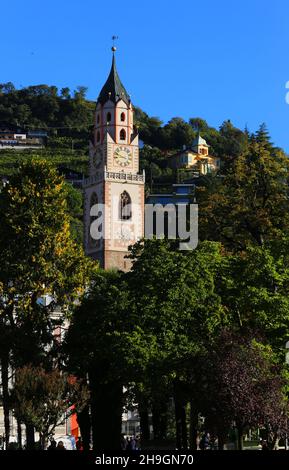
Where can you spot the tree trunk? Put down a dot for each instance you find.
(240, 437)
(106, 414)
(30, 437)
(221, 441)
(181, 421)
(159, 418)
(5, 395)
(43, 441)
(19, 435)
(193, 426)
(184, 426)
(178, 420)
(273, 442)
(144, 423)
(83, 420)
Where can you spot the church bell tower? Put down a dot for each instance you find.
(114, 179)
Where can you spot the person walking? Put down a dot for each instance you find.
(79, 445)
(123, 442)
(205, 441)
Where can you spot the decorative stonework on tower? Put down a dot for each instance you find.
(114, 178)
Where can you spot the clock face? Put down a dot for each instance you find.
(123, 156)
(97, 157)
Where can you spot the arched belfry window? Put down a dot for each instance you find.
(108, 117)
(125, 206)
(98, 136)
(122, 117)
(122, 134)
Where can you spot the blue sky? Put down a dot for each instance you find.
(212, 59)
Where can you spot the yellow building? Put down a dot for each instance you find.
(196, 158)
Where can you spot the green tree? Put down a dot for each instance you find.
(143, 324)
(250, 204)
(179, 310)
(262, 137)
(233, 143)
(45, 399)
(148, 127)
(75, 209)
(7, 88)
(103, 342)
(80, 92)
(239, 384)
(175, 134)
(65, 93)
(39, 259)
(255, 292)
(198, 124)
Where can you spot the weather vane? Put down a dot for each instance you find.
(114, 38)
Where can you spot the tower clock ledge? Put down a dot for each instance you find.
(112, 176)
(135, 177)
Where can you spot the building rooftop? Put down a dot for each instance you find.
(199, 141)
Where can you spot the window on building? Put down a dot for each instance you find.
(122, 134)
(125, 206)
(108, 117)
(98, 136)
(98, 119)
(122, 117)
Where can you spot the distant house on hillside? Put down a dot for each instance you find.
(195, 158)
(38, 133)
(10, 138)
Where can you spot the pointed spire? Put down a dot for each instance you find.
(113, 89)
